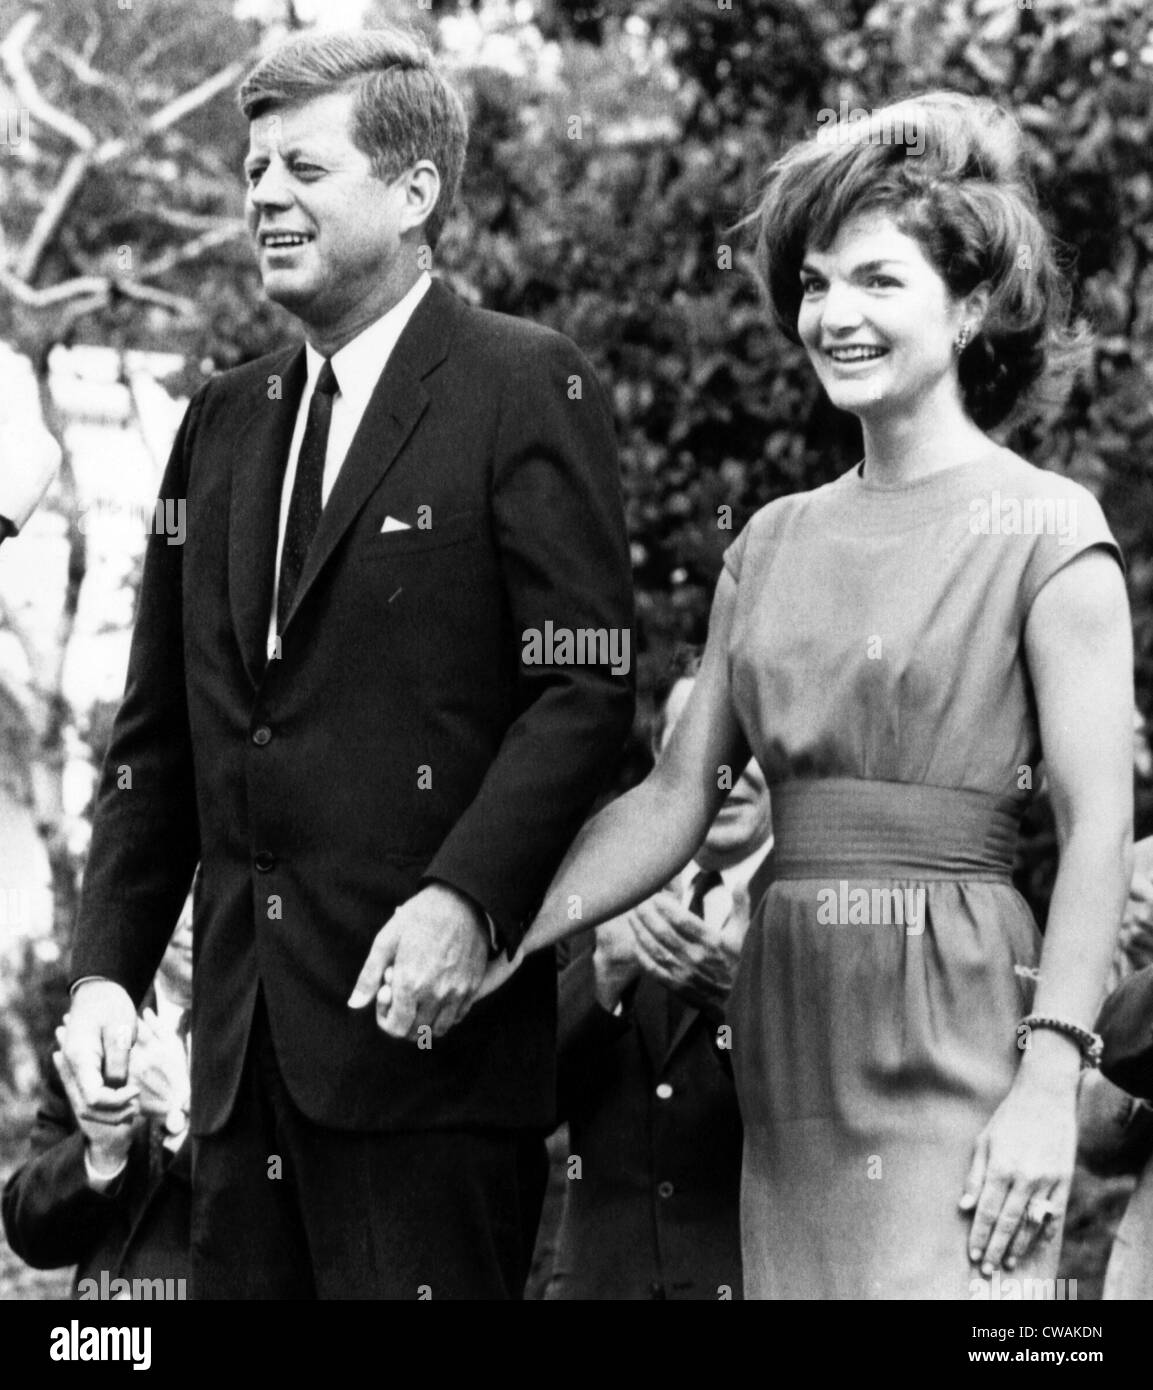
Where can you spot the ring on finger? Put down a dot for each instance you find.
(1040, 1212)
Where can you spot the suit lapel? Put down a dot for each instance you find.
(260, 454)
(688, 1018)
(650, 1011)
(395, 407)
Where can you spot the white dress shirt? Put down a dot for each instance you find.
(719, 901)
(358, 366)
(735, 880)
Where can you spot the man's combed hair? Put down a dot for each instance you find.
(967, 200)
(405, 109)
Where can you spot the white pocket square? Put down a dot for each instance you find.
(392, 523)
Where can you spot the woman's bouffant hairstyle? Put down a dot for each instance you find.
(949, 170)
(405, 109)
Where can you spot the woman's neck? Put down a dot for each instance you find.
(902, 448)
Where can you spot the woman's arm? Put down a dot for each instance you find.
(1079, 649)
(1080, 653)
(637, 843)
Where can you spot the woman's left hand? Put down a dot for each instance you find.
(1018, 1183)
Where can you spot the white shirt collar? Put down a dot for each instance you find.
(736, 876)
(359, 363)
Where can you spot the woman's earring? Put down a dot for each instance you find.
(961, 341)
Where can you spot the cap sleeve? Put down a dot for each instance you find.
(734, 555)
(1080, 525)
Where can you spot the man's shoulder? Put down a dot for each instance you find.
(231, 397)
(493, 332)
(258, 374)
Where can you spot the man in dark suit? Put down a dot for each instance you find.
(645, 1079)
(115, 1199)
(331, 704)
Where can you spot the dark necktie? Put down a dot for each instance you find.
(305, 506)
(704, 881)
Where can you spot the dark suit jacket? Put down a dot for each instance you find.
(654, 1213)
(398, 737)
(1126, 1025)
(140, 1228)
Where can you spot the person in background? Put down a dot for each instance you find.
(644, 1077)
(114, 1199)
(29, 455)
(1114, 1107)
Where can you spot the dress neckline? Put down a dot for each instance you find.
(941, 478)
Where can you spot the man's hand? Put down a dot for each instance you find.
(426, 964)
(616, 963)
(107, 1135)
(1137, 921)
(159, 1066)
(683, 954)
(99, 1031)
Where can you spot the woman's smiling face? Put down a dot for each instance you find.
(877, 320)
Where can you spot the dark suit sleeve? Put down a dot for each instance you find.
(1126, 1025)
(564, 555)
(52, 1218)
(145, 840)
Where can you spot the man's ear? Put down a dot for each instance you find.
(421, 187)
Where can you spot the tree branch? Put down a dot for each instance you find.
(97, 290)
(198, 96)
(49, 298)
(148, 294)
(187, 221)
(83, 71)
(52, 215)
(175, 111)
(29, 94)
(191, 251)
(89, 153)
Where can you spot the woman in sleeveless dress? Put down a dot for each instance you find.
(899, 650)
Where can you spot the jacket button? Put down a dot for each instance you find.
(665, 1190)
(262, 736)
(265, 861)
(664, 1091)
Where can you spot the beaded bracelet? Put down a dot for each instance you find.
(1092, 1045)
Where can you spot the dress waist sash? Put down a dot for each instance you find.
(828, 827)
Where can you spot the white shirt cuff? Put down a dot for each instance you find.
(83, 980)
(175, 1142)
(492, 937)
(101, 1182)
